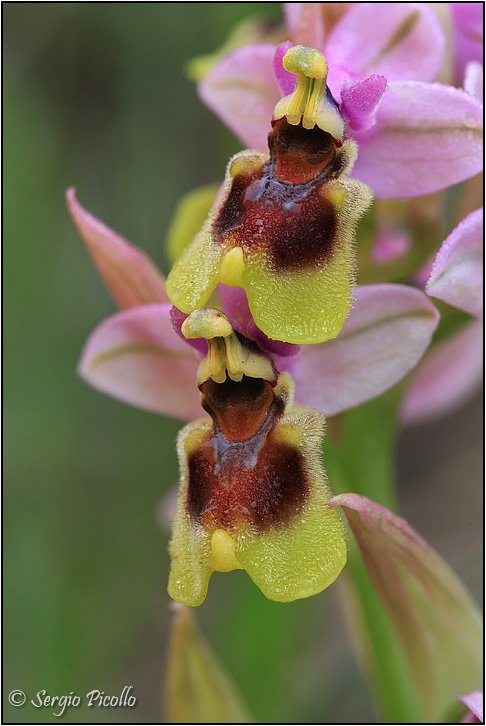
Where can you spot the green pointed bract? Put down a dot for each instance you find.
(283, 227)
(190, 214)
(260, 506)
(198, 689)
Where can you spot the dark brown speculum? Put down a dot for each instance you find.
(253, 477)
(300, 155)
(281, 209)
(239, 409)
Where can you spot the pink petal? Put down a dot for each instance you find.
(360, 101)
(305, 23)
(436, 621)
(135, 356)
(475, 703)
(177, 318)
(421, 275)
(427, 137)
(242, 91)
(286, 81)
(402, 41)
(384, 337)
(468, 26)
(457, 272)
(474, 80)
(129, 274)
(449, 376)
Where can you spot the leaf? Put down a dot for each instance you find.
(435, 619)
(189, 216)
(197, 689)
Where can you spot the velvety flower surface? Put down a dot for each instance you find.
(253, 491)
(151, 355)
(414, 139)
(283, 228)
(135, 355)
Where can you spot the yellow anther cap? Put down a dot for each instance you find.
(311, 102)
(306, 60)
(227, 354)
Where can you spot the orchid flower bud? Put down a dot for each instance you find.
(283, 226)
(253, 493)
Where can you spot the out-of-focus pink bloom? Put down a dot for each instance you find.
(414, 138)
(452, 370)
(468, 25)
(474, 80)
(457, 271)
(434, 617)
(475, 703)
(449, 376)
(390, 245)
(136, 356)
(310, 23)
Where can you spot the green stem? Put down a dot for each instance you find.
(362, 463)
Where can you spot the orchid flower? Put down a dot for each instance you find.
(259, 331)
(136, 356)
(283, 226)
(151, 355)
(253, 492)
(414, 136)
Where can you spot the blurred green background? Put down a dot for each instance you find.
(95, 95)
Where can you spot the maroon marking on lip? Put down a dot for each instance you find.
(269, 493)
(292, 224)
